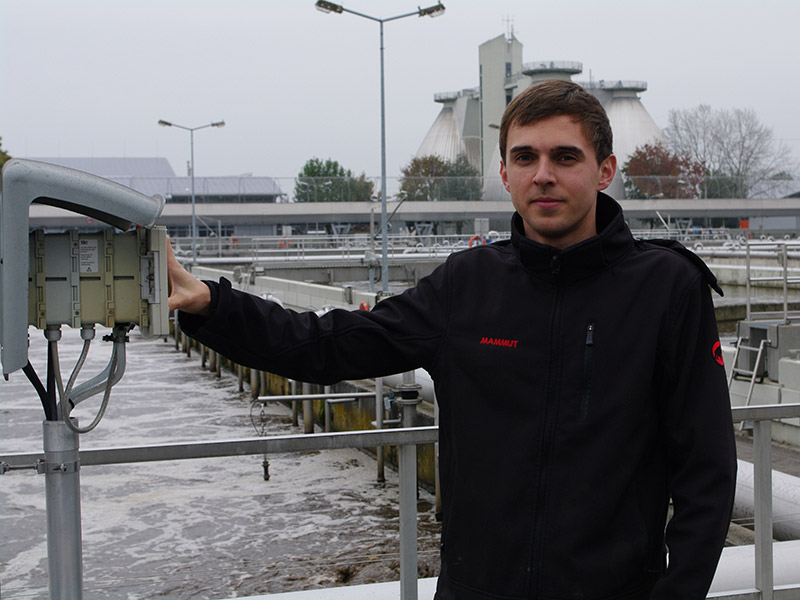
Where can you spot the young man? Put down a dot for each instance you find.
(561, 449)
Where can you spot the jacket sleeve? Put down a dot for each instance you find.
(701, 451)
(401, 333)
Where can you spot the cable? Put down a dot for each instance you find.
(52, 349)
(64, 403)
(30, 373)
(103, 404)
(52, 401)
(111, 373)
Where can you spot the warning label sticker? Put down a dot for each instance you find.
(89, 256)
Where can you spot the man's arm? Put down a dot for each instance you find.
(701, 450)
(400, 333)
(186, 292)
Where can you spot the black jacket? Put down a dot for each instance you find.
(579, 391)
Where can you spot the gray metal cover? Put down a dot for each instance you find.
(24, 182)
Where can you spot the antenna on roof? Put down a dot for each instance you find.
(509, 21)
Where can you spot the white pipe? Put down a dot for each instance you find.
(736, 570)
(785, 501)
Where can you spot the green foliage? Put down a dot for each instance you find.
(4, 156)
(328, 181)
(431, 178)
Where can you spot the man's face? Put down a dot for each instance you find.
(551, 171)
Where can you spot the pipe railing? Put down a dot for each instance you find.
(760, 416)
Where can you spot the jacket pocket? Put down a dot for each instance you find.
(586, 387)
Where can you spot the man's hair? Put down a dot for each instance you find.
(555, 98)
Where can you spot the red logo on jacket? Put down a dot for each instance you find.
(499, 342)
(717, 350)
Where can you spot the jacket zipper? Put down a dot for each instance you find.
(547, 439)
(587, 372)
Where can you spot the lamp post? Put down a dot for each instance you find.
(191, 131)
(431, 11)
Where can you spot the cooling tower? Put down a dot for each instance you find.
(469, 120)
(456, 129)
(631, 123)
(545, 70)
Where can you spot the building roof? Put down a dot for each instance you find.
(112, 166)
(155, 176)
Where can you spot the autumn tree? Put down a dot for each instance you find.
(741, 155)
(654, 171)
(433, 178)
(4, 156)
(328, 181)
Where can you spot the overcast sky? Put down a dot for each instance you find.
(93, 77)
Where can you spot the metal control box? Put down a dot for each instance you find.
(103, 278)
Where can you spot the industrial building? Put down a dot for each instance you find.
(468, 124)
(470, 118)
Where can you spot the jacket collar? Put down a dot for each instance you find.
(584, 258)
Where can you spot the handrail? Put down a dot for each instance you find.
(760, 415)
(239, 446)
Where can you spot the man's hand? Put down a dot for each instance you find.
(186, 292)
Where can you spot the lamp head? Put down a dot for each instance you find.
(328, 7)
(164, 123)
(432, 11)
(218, 124)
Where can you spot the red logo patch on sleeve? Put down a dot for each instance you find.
(717, 350)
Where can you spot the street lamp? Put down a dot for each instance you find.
(432, 11)
(191, 131)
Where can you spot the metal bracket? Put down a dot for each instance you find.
(44, 467)
(5, 467)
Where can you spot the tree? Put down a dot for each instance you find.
(433, 178)
(328, 181)
(422, 178)
(463, 180)
(653, 171)
(4, 156)
(741, 155)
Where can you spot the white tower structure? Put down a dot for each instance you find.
(456, 129)
(469, 120)
(631, 123)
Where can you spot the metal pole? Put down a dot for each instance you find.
(194, 214)
(407, 465)
(785, 258)
(63, 502)
(327, 390)
(384, 224)
(762, 496)
(747, 279)
(379, 425)
(308, 411)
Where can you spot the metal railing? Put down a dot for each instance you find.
(781, 251)
(409, 438)
(762, 417)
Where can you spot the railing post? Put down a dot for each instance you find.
(176, 329)
(61, 469)
(295, 404)
(407, 464)
(379, 425)
(254, 383)
(327, 390)
(762, 498)
(308, 411)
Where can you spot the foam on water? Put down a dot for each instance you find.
(206, 528)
